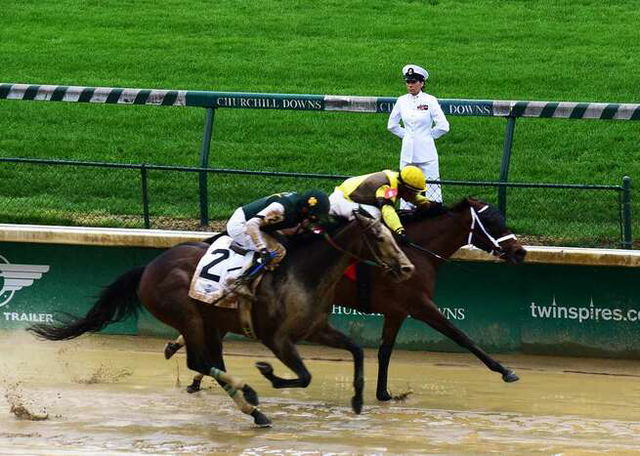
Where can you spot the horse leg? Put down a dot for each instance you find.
(195, 383)
(173, 346)
(200, 359)
(430, 314)
(286, 352)
(170, 349)
(331, 337)
(214, 344)
(392, 324)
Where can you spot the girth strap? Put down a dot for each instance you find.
(363, 287)
(244, 315)
(245, 305)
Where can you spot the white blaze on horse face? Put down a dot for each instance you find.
(390, 252)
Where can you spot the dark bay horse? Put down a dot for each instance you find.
(291, 303)
(435, 238)
(436, 234)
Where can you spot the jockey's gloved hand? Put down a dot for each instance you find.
(265, 257)
(402, 237)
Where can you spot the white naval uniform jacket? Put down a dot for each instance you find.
(423, 120)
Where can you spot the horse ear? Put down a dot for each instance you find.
(464, 204)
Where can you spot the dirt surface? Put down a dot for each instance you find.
(113, 395)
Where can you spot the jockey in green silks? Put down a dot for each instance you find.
(250, 225)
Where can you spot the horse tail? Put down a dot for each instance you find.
(115, 303)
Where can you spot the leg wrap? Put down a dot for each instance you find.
(226, 378)
(242, 404)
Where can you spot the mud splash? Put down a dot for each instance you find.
(22, 407)
(130, 405)
(104, 374)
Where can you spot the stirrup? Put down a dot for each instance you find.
(251, 272)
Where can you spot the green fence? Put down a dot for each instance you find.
(537, 307)
(152, 196)
(212, 100)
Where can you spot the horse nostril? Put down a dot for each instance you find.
(407, 269)
(517, 257)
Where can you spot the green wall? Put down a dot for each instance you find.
(531, 308)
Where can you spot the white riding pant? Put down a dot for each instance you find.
(236, 227)
(343, 207)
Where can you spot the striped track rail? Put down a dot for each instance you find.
(211, 99)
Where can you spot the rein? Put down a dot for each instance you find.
(475, 219)
(377, 262)
(430, 252)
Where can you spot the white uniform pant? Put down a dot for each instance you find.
(342, 207)
(236, 227)
(237, 230)
(431, 170)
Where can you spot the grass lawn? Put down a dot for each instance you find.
(512, 50)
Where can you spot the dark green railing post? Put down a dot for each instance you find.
(627, 236)
(145, 195)
(204, 163)
(504, 167)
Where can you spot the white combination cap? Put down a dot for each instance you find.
(414, 73)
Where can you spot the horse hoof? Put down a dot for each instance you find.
(193, 388)
(260, 419)
(510, 376)
(170, 349)
(250, 395)
(264, 368)
(383, 396)
(356, 405)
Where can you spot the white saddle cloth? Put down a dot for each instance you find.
(217, 268)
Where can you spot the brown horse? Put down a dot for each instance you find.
(436, 234)
(435, 238)
(292, 303)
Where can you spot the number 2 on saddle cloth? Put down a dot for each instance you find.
(218, 271)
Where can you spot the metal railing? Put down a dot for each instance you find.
(594, 210)
(212, 100)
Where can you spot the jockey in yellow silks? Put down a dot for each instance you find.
(379, 194)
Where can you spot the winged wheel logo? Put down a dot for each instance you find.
(15, 277)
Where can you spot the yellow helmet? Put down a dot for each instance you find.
(412, 178)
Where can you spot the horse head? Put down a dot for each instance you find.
(381, 246)
(489, 232)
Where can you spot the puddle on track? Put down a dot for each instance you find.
(133, 406)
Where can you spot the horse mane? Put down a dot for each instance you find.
(491, 215)
(434, 210)
(304, 237)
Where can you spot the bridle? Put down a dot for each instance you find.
(476, 222)
(497, 251)
(377, 261)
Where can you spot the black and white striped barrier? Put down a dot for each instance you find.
(211, 99)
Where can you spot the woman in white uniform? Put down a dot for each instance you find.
(423, 121)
